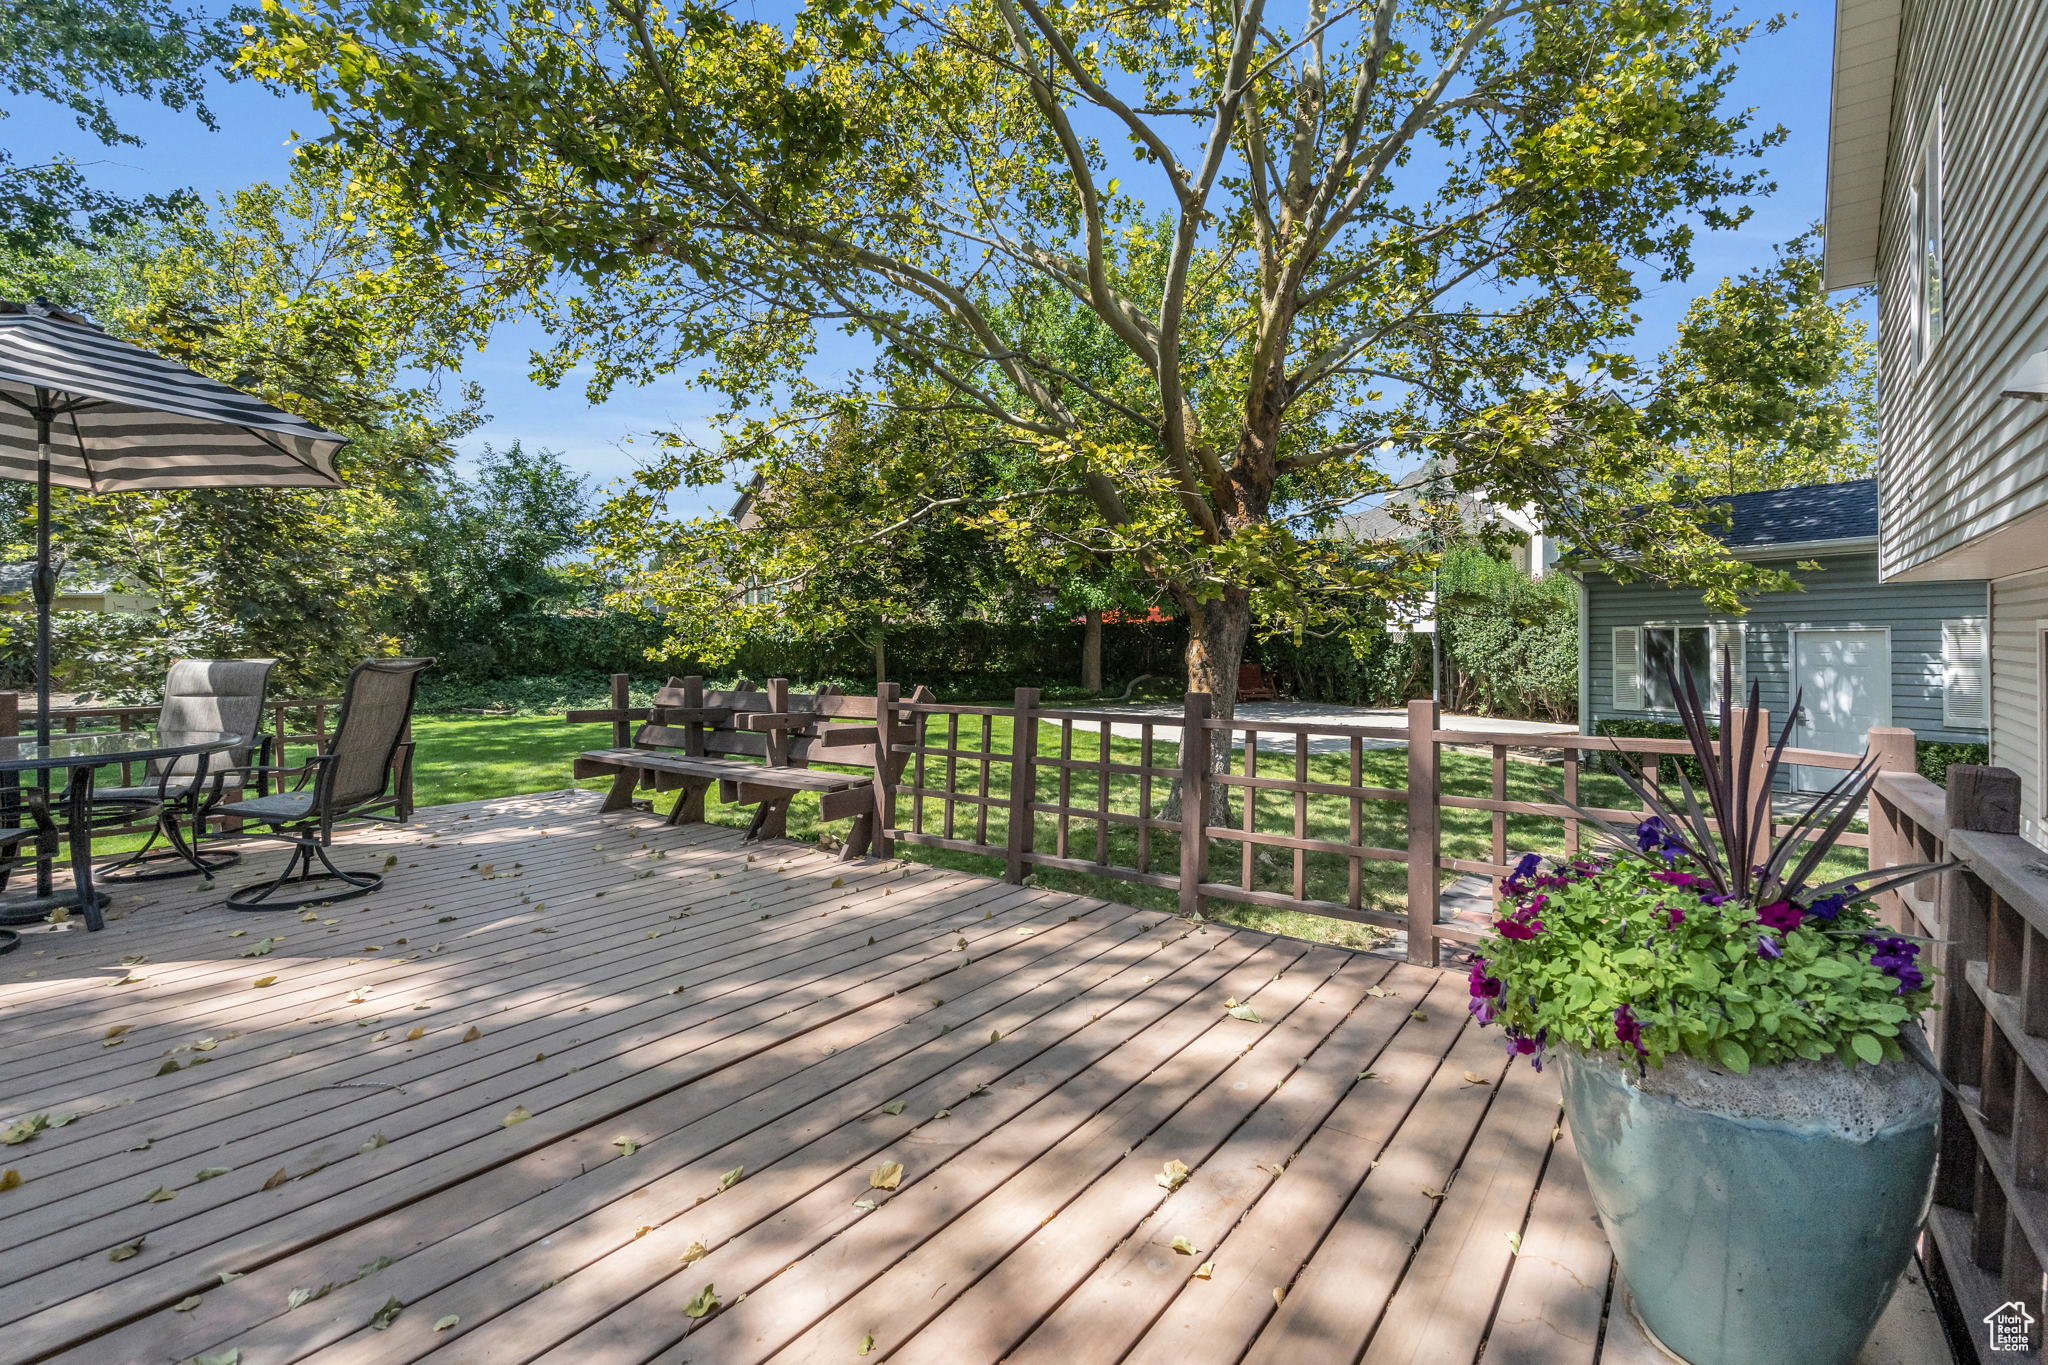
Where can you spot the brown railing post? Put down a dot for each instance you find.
(1023, 783)
(885, 784)
(1194, 800)
(1894, 749)
(1425, 833)
(1759, 764)
(622, 702)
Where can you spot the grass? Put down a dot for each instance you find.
(467, 758)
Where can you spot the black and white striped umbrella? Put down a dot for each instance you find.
(121, 420)
(81, 409)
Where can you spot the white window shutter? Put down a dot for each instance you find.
(1730, 642)
(1628, 668)
(1963, 668)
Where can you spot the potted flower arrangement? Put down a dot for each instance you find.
(1739, 1063)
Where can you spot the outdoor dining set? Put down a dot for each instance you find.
(202, 790)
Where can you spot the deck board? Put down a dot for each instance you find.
(667, 1006)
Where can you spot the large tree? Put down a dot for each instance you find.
(1307, 246)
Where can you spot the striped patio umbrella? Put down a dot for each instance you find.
(81, 409)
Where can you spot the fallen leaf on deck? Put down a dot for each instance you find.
(867, 1343)
(117, 1030)
(1204, 1271)
(127, 1251)
(170, 1064)
(472, 1034)
(705, 1304)
(386, 1315)
(519, 1114)
(1474, 1078)
(866, 1205)
(185, 1305)
(1173, 1176)
(695, 1251)
(128, 980)
(277, 1178)
(262, 947)
(1515, 1243)
(893, 1107)
(1279, 1295)
(415, 1033)
(1418, 1014)
(1377, 991)
(1244, 1012)
(10, 1179)
(159, 1195)
(1183, 1246)
(625, 1145)
(300, 1297)
(228, 1276)
(886, 1176)
(231, 1356)
(1432, 1194)
(264, 981)
(23, 1129)
(731, 1177)
(443, 1324)
(375, 1141)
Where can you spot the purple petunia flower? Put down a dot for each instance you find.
(1827, 907)
(1680, 879)
(1767, 946)
(1895, 958)
(1782, 916)
(1484, 989)
(1673, 916)
(1628, 1030)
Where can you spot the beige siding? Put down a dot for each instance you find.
(2019, 613)
(1958, 461)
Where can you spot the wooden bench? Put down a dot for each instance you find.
(757, 746)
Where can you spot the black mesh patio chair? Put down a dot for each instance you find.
(201, 696)
(361, 776)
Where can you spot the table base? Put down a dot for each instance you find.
(29, 907)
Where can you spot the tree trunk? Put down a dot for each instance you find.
(1091, 651)
(1217, 632)
(881, 657)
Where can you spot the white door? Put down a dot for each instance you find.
(1844, 678)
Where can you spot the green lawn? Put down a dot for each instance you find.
(472, 757)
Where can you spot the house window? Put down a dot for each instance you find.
(1674, 653)
(1649, 659)
(1924, 201)
(1964, 666)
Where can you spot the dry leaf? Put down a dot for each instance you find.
(1183, 1246)
(1279, 1294)
(417, 1032)
(386, 1315)
(886, 1176)
(731, 1177)
(159, 1195)
(262, 947)
(519, 1114)
(10, 1179)
(22, 1130)
(705, 1304)
(1173, 1176)
(170, 1064)
(228, 1276)
(1432, 1194)
(1244, 1012)
(866, 1205)
(1377, 991)
(471, 1034)
(375, 1141)
(298, 1298)
(625, 1145)
(1515, 1243)
(867, 1344)
(893, 1107)
(231, 1356)
(1474, 1078)
(277, 1178)
(1418, 1014)
(1204, 1271)
(126, 1251)
(185, 1305)
(443, 1324)
(694, 1252)
(116, 1031)
(264, 981)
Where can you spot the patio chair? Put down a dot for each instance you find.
(361, 776)
(201, 696)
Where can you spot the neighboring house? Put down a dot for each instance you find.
(1937, 179)
(1535, 554)
(1857, 651)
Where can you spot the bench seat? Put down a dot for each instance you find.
(721, 769)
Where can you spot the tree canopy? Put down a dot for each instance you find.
(1297, 250)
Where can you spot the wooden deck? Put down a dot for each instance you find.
(565, 1072)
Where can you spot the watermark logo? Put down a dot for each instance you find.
(2009, 1327)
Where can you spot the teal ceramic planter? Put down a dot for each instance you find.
(1760, 1219)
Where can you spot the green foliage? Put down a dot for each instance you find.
(79, 54)
(1163, 293)
(1933, 759)
(289, 293)
(1698, 987)
(1510, 642)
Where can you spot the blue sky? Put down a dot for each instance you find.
(1784, 76)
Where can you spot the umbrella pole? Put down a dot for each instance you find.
(45, 594)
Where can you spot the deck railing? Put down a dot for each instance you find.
(1989, 918)
(1105, 793)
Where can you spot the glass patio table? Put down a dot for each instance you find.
(27, 814)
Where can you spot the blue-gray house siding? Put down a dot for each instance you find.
(1842, 594)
